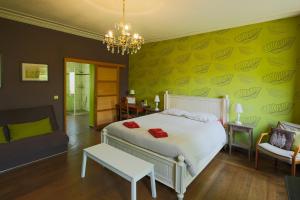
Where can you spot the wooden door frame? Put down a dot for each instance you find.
(84, 61)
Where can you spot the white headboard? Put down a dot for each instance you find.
(216, 106)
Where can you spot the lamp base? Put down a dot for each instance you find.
(238, 122)
(156, 106)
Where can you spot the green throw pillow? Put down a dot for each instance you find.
(30, 129)
(2, 137)
(296, 140)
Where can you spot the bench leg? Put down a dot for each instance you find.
(83, 167)
(133, 190)
(153, 187)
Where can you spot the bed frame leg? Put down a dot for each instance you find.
(180, 196)
(104, 136)
(180, 176)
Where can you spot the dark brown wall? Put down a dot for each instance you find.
(26, 43)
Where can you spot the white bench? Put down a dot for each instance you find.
(129, 167)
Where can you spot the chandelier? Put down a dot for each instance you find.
(120, 40)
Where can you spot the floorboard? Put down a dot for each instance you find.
(226, 177)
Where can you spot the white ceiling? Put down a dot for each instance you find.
(155, 19)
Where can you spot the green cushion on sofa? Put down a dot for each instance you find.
(30, 129)
(2, 137)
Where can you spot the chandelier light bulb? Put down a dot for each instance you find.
(126, 27)
(136, 36)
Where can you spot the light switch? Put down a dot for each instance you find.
(55, 97)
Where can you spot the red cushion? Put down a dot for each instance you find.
(131, 124)
(158, 133)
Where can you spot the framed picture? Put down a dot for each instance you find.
(1, 71)
(34, 72)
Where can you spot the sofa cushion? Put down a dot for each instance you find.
(22, 115)
(6, 133)
(2, 136)
(29, 129)
(31, 149)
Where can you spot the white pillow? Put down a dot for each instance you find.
(175, 112)
(201, 116)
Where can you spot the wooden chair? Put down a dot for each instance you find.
(124, 110)
(291, 157)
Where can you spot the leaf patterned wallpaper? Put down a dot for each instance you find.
(256, 65)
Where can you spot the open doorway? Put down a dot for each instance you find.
(79, 96)
(91, 92)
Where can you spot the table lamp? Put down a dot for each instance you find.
(156, 100)
(132, 92)
(131, 97)
(238, 110)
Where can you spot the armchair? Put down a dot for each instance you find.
(292, 157)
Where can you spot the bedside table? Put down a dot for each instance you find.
(233, 129)
(149, 110)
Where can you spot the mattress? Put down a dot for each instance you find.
(192, 139)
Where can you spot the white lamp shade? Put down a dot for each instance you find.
(132, 92)
(238, 108)
(156, 99)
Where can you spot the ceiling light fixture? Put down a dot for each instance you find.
(120, 40)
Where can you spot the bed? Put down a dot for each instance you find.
(176, 167)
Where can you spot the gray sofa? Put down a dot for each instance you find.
(27, 150)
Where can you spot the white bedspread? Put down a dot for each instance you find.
(192, 139)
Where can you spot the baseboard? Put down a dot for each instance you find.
(29, 163)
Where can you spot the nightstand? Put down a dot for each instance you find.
(234, 129)
(149, 110)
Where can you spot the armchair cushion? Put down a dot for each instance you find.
(273, 151)
(288, 126)
(296, 140)
(293, 128)
(282, 138)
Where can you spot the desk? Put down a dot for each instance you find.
(135, 108)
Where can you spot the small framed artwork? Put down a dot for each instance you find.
(34, 72)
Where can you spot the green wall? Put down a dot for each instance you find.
(256, 65)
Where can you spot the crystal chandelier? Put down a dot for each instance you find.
(120, 40)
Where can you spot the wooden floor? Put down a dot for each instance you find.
(226, 177)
